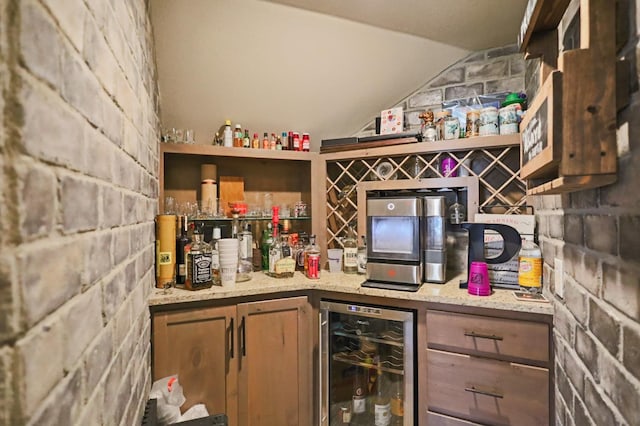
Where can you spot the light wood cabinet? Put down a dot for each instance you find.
(487, 370)
(251, 361)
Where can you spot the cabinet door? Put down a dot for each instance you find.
(197, 345)
(275, 363)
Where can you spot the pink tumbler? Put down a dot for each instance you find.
(478, 283)
(447, 165)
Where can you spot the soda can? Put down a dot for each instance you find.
(313, 269)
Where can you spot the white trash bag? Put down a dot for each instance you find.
(170, 396)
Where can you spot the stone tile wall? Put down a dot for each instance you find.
(479, 73)
(591, 244)
(78, 195)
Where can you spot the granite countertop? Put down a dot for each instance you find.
(350, 284)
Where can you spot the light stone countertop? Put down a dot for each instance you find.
(350, 284)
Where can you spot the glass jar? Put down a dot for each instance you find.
(451, 128)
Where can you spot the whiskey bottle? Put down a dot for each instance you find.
(265, 244)
(350, 261)
(199, 262)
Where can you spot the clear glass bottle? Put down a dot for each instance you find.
(245, 244)
(381, 402)
(284, 240)
(362, 256)
(275, 250)
(350, 260)
(215, 255)
(530, 267)
(199, 261)
(397, 402)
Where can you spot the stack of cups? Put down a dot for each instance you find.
(228, 252)
(479, 284)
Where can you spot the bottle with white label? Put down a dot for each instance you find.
(227, 135)
(199, 261)
(382, 402)
(350, 261)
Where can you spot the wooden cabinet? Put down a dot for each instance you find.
(251, 361)
(487, 370)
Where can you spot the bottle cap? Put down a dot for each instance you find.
(238, 126)
(227, 122)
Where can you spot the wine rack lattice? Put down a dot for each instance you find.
(497, 170)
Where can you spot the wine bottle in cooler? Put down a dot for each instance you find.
(381, 402)
(359, 396)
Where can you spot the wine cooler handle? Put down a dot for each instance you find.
(473, 389)
(242, 341)
(482, 335)
(320, 378)
(232, 343)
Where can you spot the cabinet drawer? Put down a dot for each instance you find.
(488, 336)
(486, 390)
(435, 419)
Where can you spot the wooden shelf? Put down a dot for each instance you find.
(566, 184)
(453, 145)
(540, 16)
(221, 151)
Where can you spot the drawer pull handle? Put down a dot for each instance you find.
(473, 389)
(482, 336)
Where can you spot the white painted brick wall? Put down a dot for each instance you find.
(80, 176)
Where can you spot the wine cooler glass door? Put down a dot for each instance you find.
(366, 365)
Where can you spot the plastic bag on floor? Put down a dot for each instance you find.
(170, 396)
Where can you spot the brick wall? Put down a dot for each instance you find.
(489, 71)
(591, 245)
(78, 190)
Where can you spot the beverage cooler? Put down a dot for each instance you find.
(366, 365)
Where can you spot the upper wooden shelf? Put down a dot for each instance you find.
(427, 147)
(220, 151)
(539, 16)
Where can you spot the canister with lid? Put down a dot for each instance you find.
(451, 128)
(489, 121)
(440, 118)
(473, 123)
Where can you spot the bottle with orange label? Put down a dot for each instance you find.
(530, 267)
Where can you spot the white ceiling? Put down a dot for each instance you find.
(469, 24)
(324, 67)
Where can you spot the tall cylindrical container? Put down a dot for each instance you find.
(209, 188)
(165, 250)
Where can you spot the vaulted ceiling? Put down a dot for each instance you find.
(324, 67)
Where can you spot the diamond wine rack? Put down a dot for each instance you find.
(494, 160)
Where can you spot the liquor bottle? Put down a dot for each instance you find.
(278, 143)
(359, 397)
(265, 141)
(246, 243)
(182, 248)
(284, 240)
(350, 261)
(227, 138)
(255, 143)
(237, 136)
(199, 262)
(381, 402)
(215, 255)
(362, 256)
(272, 142)
(285, 141)
(267, 239)
(275, 250)
(306, 143)
(299, 243)
(246, 142)
(397, 402)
